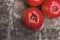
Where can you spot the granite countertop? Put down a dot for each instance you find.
(12, 29)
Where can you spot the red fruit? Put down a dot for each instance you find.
(51, 8)
(32, 18)
(34, 2)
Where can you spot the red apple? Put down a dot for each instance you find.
(51, 8)
(34, 2)
(32, 18)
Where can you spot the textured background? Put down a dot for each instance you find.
(12, 29)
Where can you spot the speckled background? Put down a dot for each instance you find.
(12, 29)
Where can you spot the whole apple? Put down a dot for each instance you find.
(51, 8)
(34, 2)
(32, 18)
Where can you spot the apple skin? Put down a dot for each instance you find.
(51, 8)
(32, 18)
(34, 2)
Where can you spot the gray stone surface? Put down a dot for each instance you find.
(12, 29)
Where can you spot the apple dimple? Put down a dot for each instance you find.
(33, 17)
(54, 8)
